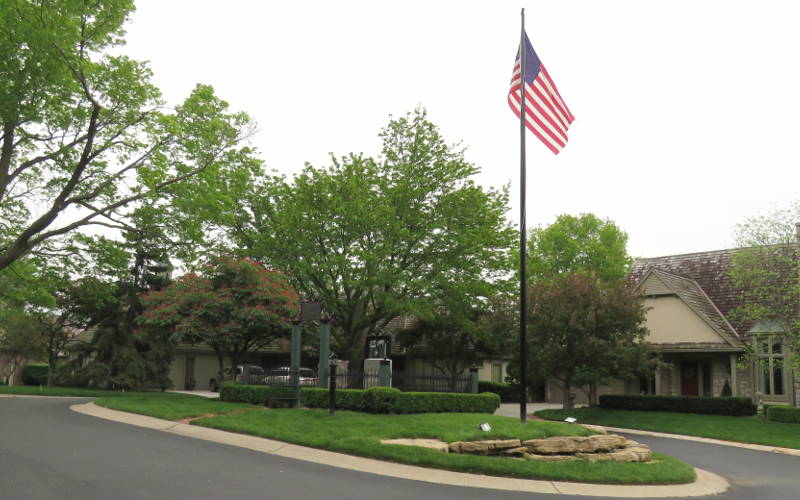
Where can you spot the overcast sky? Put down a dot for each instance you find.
(686, 111)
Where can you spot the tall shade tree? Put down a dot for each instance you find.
(767, 270)
(583, 330)
(574, 250)
(583, 243)
(376, 238)
(235, 306)
(84, 136)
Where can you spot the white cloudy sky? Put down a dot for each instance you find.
(686, 110)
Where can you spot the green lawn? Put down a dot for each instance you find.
(360, 434)
(164, 405)
(742, 429)
(170, 406)
(37, 390)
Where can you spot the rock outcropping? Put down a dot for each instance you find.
(595, 448)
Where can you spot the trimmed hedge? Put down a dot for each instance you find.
(509, 393)
(785, 414)
(735, 407)
(238, 393)
(389, 400)
(35, 374)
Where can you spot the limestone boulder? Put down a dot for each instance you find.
(485, 446)
(433, 444)
(575, 444)
(519, 451)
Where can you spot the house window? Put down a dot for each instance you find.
(497, 373)
(770, 372)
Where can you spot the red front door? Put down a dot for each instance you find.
(689, 379)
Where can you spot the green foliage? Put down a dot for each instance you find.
(765, 272)
(120, 355)
(376, 238)
(389, 400)
(86, 138)
(582, 331)
(35, 374)
(584, 327)
(584, 244)
(380, 400)
(785, 414)
(253, 394)
(733, 406)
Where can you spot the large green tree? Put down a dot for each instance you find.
(85, 137)
(376, 238)
(583, 331)
(582, 259)
(767, 270)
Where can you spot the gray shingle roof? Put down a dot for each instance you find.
(709, 270)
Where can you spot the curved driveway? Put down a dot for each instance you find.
(49, 452)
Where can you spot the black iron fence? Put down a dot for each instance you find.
(363, 379)
(355, 379)
(430, 383)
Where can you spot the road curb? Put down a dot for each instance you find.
(707, 483)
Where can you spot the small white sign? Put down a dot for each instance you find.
(571, 420)
(485, 427)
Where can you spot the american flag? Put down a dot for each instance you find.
(546, 115)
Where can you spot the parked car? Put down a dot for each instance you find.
(282, 374)
(257, 376)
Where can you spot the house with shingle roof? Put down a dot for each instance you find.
(690, 301)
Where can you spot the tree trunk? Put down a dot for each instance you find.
(51, 368)
(568, 399)
(593, 394)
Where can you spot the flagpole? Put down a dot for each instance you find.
(523, 345)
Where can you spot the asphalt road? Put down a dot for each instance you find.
(49, 452)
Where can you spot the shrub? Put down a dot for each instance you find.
(380, 400)
(236, 392)
(388, 400)
(736, 407)
(509, 393)
(35, 374)
(785, 414)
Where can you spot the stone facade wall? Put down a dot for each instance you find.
(744, 382)
(720, 373)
